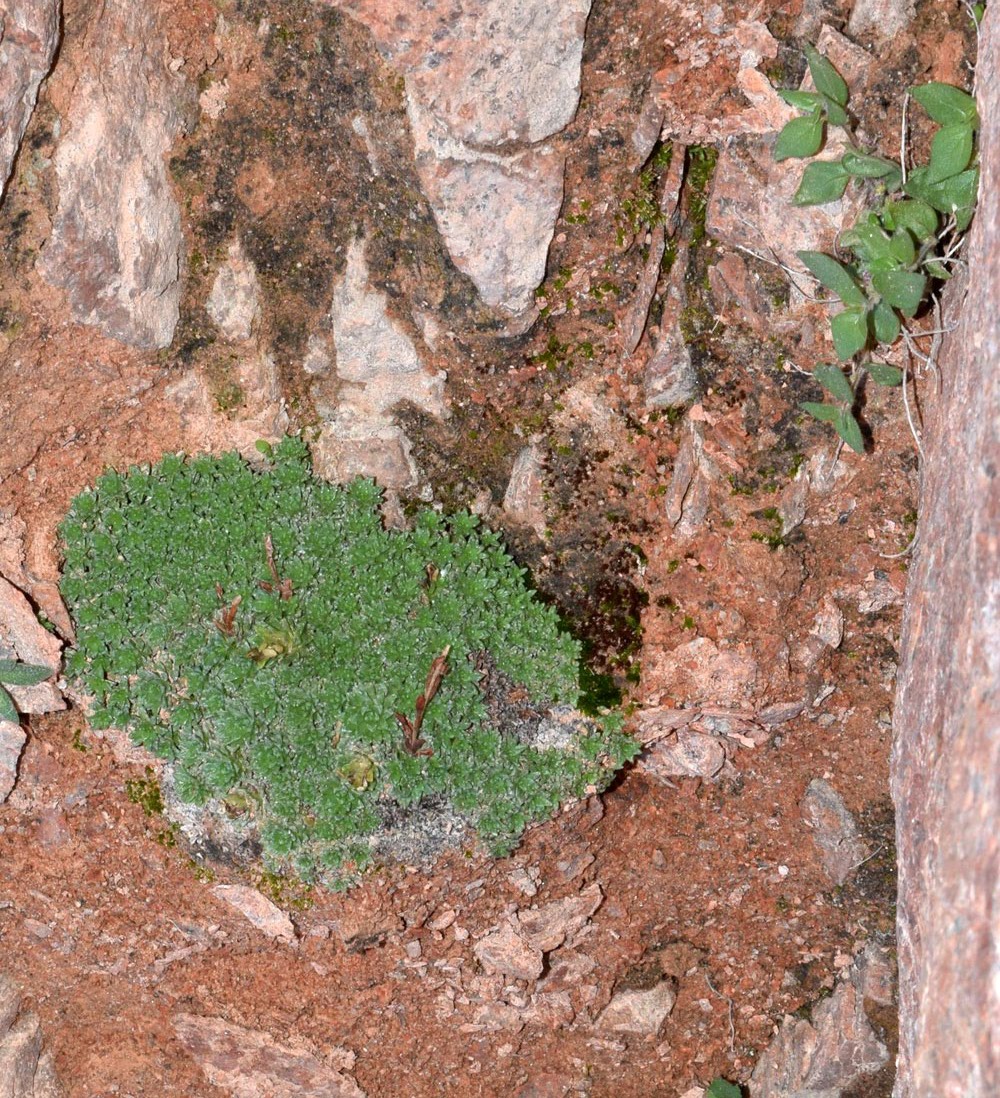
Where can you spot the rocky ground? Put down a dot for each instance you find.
(550, 290)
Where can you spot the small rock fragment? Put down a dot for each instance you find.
(265, 916)
(523, 502)
(823, 1058)
(12, 739)
(881, 19)
(671, 379)
(635, 1011)
(780, 713)
(547, 927)
(689, 755)
(834, 830)
(508, 951)
(23, 638)
(234, 303)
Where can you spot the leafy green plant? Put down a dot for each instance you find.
(16, 673)
(262, 631)
(721, 1088)
(900, 249)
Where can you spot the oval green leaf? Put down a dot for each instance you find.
(866, 166)
(946, 104)
(8, 711)
(885, 323)
(951, 151)
(885, 375)
(850, 332)
(902, 247)
(803, 100)
(826, 413)
(903, 290)
(800, 138)
(832, 379)
(822, 181)
(850, 431)
(23, 674)
(834, 275)
(828, 81)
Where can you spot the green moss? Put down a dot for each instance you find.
(262, 631)
(146, 793)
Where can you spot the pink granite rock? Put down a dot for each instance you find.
(29, 33)
(946, 755)
(116, 236)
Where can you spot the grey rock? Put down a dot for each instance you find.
(116, 238)
(834, 830)
(19, 1052)
(671, 379)
(495, 73)
(23, 638)
(882, 20)
(249, 1063)
(486, 85)
(377, 369)
(234, 302)
(10, 1003)
(29, 33)
(638, 1011)
(496, 213)
(523, 501)
(689, 754)
(822, 1058)
(12, 739)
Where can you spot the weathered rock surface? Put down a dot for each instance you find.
(251, 1064)
(751, 201)
(822, 1058)
(946, 756)
(260, 413)
(29, 33)
(834, 830)
(486, 85)
(26, 1070)
(699, 671)
(234, 302)
(377, 369)
(23, 638)
(671, 378)
(116, 237)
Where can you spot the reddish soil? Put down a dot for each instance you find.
(110, 926)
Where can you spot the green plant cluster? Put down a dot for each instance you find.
(264, 632)
(901, 248)
(16, 673)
